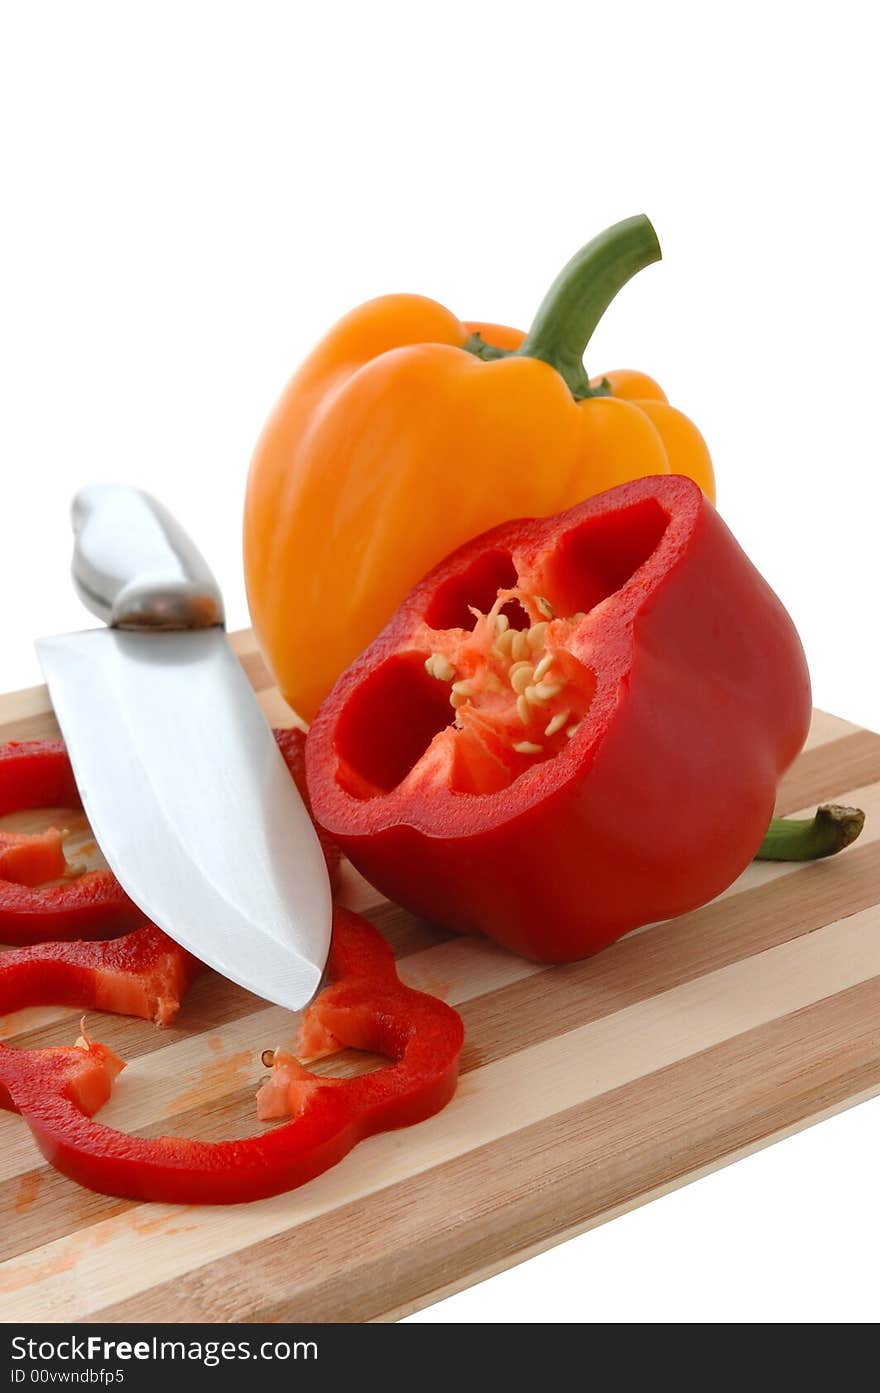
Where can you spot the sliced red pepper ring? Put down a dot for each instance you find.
(57, 1090)
(38, 774)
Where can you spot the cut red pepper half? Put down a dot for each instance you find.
(573, 726)
(37, 774)
(368, 1008)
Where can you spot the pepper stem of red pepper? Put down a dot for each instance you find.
(581, 294)
(809, 839)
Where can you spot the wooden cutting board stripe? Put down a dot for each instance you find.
(543, 1047)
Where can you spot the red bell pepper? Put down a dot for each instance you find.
(37, 774)
(573, 726)
(57, 1090)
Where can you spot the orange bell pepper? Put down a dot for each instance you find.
(407, 432)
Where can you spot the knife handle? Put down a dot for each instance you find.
(135, 567)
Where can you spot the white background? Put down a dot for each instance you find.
(191, 193)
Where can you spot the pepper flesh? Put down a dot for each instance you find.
(144, 973)
(684, 694)
(407, 432)
(38, 774)
(57, 1090)
(32, 858)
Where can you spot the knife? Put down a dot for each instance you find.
(183, 784)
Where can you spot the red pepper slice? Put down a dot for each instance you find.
(369, 1008)
(32, 858)
(144, 973)
(573, 726)
(37, 774)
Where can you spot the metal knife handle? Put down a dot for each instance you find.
(135, 567)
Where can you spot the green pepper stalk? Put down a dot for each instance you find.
(577, 299)
(808, 839)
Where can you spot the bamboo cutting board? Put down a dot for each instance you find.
(585, 1090)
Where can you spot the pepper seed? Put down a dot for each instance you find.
(545, 663)
(439, 666)
(521, 675)
(557, 722)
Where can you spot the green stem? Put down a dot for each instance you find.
(808, 839)
(581, 294)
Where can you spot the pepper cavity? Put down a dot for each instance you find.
(517, 692)
(496, 660)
